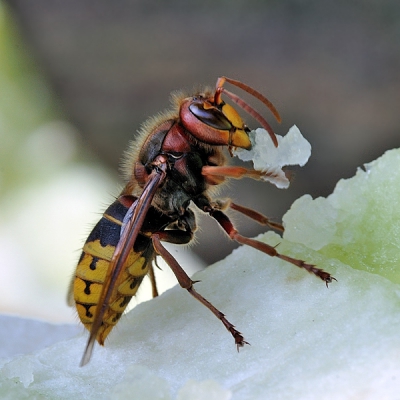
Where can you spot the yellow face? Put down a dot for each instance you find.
(239, 137)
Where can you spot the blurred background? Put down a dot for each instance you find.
(78, 78)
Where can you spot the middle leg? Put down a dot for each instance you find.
(229, 228)
(248, 212)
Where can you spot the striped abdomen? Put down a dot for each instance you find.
(93, 270)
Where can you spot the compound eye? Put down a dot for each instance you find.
(210, 116)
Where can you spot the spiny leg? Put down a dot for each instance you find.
(248, 212)
(236, 172)
(186, 283)
(228, 227)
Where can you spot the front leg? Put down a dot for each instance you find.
(219, 172)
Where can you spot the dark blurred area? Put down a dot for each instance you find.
(332, 68)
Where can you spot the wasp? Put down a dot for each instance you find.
(174, 165)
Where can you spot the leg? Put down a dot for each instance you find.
(228, 227)
(248, 212)
(235, 172)
(187, 222)
(215, 174)
(154, 290)
(186, 283)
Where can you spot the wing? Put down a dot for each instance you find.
(129, 232)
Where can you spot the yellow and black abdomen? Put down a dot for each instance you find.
(93, 271)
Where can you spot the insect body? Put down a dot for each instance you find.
(93, 267)
(177, 161)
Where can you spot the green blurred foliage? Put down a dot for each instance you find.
(26, 103)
